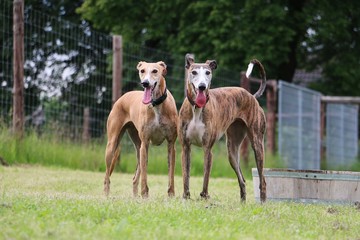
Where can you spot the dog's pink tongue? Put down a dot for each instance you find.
(200, 99)
(147, 96)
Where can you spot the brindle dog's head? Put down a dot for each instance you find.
(150, 75)
(198, 79)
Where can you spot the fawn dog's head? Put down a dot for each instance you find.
(150, 75)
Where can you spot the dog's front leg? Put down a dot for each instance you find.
(143, 168)
(171, 168)
(207, 169)
(185, 164)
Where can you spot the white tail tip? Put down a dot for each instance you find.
(249, 70)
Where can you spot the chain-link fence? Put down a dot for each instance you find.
(299, 126)
(341, 134)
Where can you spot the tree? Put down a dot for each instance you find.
(283, 34)
(231, 32)
(333, 43)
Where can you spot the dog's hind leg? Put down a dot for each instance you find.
(234, 136)
(134, 135)
(115, 131)
(111, 156)
(171, 168)
(257, 143)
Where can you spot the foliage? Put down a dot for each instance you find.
(48, 203)
(284, 35)
(225, 30)
(333, 39)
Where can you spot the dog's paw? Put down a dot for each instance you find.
(106, 190)
(145, 192)
(171, 193)
(145, 195)
(186, 195)
(204, 195)
(263, 197)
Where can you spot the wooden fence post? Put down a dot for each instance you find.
(271, 98)
(117, 68)
(271, 94)
(244, 148)
(18, 68)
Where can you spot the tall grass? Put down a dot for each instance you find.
(48, 150)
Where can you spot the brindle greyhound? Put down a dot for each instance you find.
(206, 114)
(148, 116)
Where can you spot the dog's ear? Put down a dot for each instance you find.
(212, 64)
(189, 59)
(139, 65)
(161, 63)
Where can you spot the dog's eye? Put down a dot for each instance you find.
(154, 71)
(207, 72)
(142, 70)
(194, 72)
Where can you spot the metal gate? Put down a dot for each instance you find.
(299, 126)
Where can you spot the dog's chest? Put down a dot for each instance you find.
(196, 128)
(157, 129)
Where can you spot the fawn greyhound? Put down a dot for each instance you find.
(148, 117)
(206, 114)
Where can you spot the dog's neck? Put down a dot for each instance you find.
(160, 94)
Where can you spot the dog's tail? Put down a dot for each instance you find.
(262, 74)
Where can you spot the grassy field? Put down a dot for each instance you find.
(54, 203)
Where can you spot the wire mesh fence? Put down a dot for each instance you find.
(300, 130)
(66, 70)
(68, 73)
(341, 135)
(299, 126)
(5, 61)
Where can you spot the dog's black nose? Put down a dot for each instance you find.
(145, 84)
(202, 87)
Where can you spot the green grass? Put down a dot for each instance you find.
(55, 203)
(50, 151)
(47, 150)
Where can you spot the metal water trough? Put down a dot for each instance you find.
(309, 186)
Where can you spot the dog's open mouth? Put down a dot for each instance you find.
(148, 94)
(200, 98)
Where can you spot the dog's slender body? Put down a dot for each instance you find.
(207, 114)
(148, 117)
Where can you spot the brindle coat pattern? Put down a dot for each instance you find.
(232, 111)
